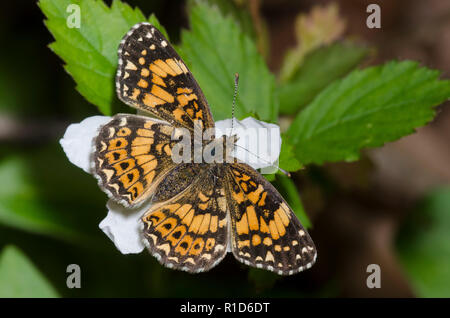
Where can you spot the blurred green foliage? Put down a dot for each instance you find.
(31, 203)
(424, 247)
(19, 277)
(318, 69)
(320, 27)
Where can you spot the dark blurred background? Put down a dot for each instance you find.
(390, 208)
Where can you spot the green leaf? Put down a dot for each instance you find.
(90, 52)
(270, 177)
(287, 188)
(38, 200)
(19, 278)
(319, 68)
(366, 109)
(19, 203)
(287, 159)
(251, 24)
(237, 10)
(424, 245)
(215, 49)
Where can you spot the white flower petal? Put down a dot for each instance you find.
(77, 140)
(259, 143)
(122, 225)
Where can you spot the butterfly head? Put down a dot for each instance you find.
(226, 144)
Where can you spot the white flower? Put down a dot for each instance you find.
(121, 225)
(77, 141)
(259, 145)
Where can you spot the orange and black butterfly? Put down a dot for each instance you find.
(198, 211)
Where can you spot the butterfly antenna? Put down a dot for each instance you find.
(236, 83)
(276, 166)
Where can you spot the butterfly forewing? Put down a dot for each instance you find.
(152, 77)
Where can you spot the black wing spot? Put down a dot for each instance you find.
(130, 177)
(168, 226)
(184, 245)
(176, 235)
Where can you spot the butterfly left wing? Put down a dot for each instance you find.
(132, 154)
(265, 231)
(152, 77)
(187, 227)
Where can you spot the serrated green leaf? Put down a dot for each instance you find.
(215, 49)
(90, 52)
(287, 188)
(19, 278)
(366, 109)
(424, 245)
(237, 10)
(319, 68)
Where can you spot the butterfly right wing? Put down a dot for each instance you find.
(132, 154)
(265, 231)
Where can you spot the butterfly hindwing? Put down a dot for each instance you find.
(190, 230)
(265, 232)
(152, 77)
(132, 153)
